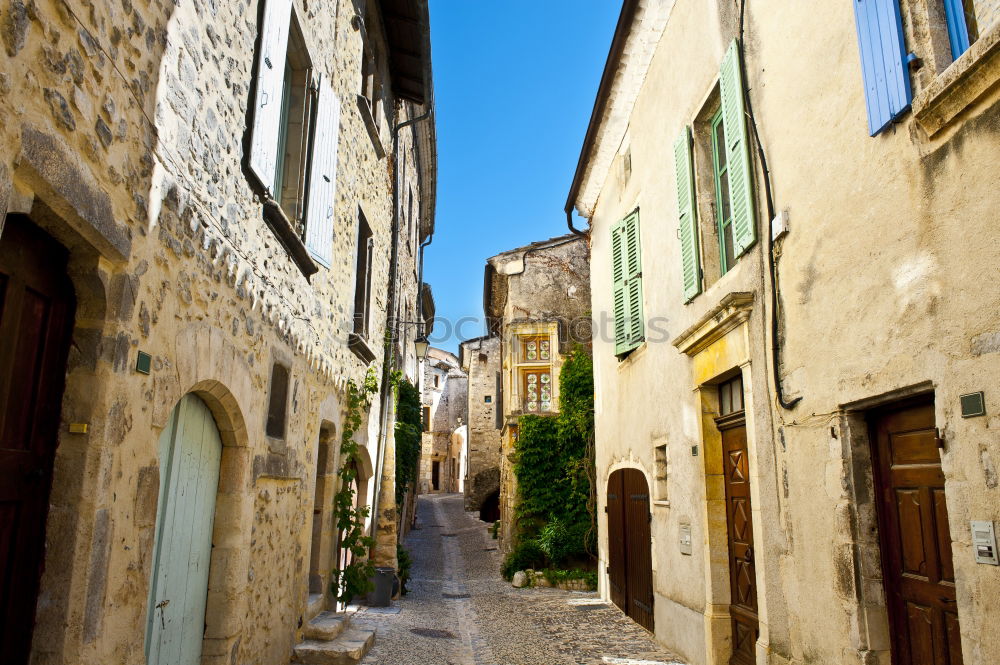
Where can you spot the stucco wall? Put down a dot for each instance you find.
(887, 236)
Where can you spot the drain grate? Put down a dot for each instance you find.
(433, 632)
(455, 595)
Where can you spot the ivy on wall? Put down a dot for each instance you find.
(408, 431)
(355, 578)
(554, 465)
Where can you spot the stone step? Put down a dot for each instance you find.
(348, 649)
(326, 626)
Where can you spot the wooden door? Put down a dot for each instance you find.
(638, 545)
(742, 569)
(36, 314)
(917, 567)
(190, 454)
(630, 563)
(616, 540)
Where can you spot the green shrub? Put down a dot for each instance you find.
(526, 554)
(555, 576)
(405, 562)
(495, 529)
(562, 542)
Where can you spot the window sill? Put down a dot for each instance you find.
(631, 357)
(960, 85)
(661, 504)
(357, 344)
(371, 125)
(282, 227)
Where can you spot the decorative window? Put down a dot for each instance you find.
(536, 349)
(536, 387)
(731, 396)
(294, 134)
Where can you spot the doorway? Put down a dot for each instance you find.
(917, 567)
(739, 523)
(435, 475)
(36, 318)
(630, 568)
(190, 456)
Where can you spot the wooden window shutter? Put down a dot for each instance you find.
(323, 176)
(618, 277)
(633, 265)
(884, 62)
(687, 216)
(270, 84)
(741, 193)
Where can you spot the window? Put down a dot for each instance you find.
(437, 380)
(662, 472)
(363, 278)
(731, 396)
(488, 399)
(294, 133)
(723, 205)
(627, 273)
(536, 387)
(277, 403)
(427, 419)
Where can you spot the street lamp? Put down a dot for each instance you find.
(420, 345)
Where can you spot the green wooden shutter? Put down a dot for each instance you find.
(687, 217)
(618, 277)
(738, 148)
(633, 268)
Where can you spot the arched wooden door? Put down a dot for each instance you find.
(190, 454)
(630, 569)
(36, 315)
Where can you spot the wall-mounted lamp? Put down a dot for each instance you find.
(420, 345)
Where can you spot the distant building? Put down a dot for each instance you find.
(443, 408)
(537, 304)
(481, 361)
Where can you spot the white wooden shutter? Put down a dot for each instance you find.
(270, 84)
(323, 176)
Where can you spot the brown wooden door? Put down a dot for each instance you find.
(616, 540)
(916, 545)
(36, 313)
(639, 567)
(630, 568)
(742, 570)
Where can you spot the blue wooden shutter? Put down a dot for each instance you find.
(958, 29)
(270, 83)
(323, 176)
(883, 61)
(687, 217)
(741, 193)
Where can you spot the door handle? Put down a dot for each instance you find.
(748, 556)
(948, 601)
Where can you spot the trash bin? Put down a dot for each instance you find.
(381, 595)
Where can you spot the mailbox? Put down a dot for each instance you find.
(984, 543)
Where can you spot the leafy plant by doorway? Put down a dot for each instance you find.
(355, 578)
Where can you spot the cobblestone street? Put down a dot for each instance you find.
(461, 612)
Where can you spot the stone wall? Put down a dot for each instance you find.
(481, 359)
(124, 139)
(445, 392)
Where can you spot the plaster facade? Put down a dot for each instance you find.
(124, 139)
(885, 236)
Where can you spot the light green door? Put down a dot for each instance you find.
(190, 453)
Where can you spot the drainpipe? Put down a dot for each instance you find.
(779, 391)
(389, 347)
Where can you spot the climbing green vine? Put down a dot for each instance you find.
(408, 431)
(554, 465)
(355, 578)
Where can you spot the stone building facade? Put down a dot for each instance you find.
(444, 403)
(537, 304)
(798, 405)
(480, 359)
(215, 272)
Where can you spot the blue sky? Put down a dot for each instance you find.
(515, 83)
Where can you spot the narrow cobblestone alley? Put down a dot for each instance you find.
(459, 611)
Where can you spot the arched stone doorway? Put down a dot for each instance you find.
(190, 459)
(630, 563)
(489, 509)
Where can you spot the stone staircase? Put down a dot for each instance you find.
(333, 639)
